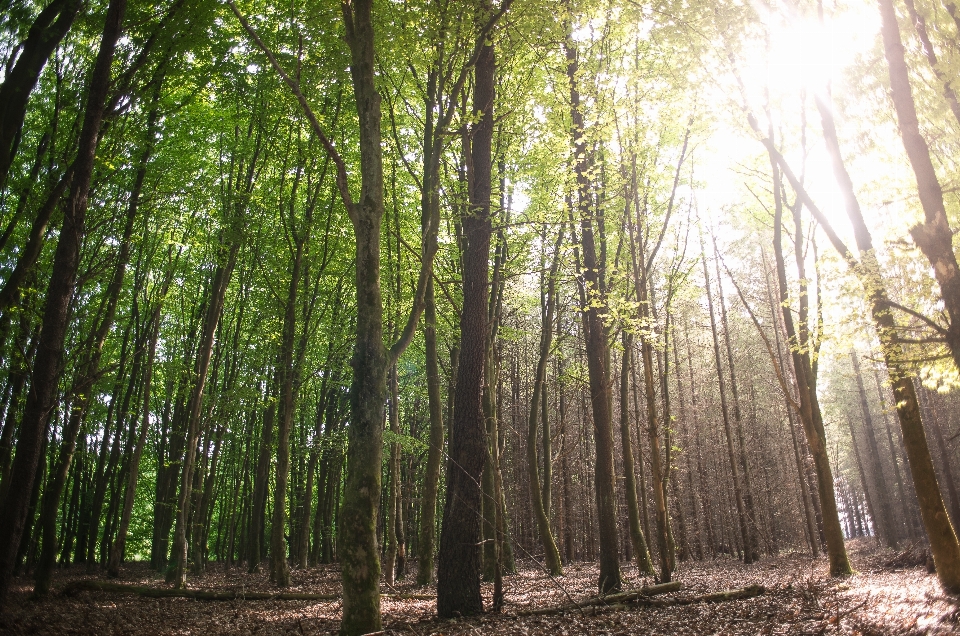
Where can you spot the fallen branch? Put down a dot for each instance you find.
(609, 599)
(212, 595)
(632, 600)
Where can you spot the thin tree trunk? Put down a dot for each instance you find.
(640, 549)
(393, 468)
(743, 521)
(431, 479)
(809, 412)
(178, 573)
(551, 553)
(750, 547)
(261, 480)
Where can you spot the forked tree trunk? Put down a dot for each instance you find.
(46, 32)
(944, 546)
(809, 411)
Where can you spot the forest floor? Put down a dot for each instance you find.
(886, 596)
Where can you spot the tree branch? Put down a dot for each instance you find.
(343, 184)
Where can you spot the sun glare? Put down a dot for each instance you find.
(805, 52)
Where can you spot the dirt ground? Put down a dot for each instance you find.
(886, 596)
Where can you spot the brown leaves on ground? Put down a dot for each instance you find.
(883, 598)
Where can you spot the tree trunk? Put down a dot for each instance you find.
(943, 539)
(459, 562)
(551, 553)
(809, 411)
(117, 550)
(279, 567)
(640, 549)
(934, 236)
(746, 533)
(393, 468)
(751, 549)
(178, 574)
(46, 32)
(595, 338)
(431, 479)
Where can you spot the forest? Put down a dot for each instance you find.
(479, 316)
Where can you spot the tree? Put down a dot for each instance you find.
(60, 292)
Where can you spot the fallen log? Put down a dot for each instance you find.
(213, 595)
(633, 595)
(617, 602)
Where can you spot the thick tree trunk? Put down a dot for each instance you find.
(87, 373)
(46, 369)
(459, 561)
